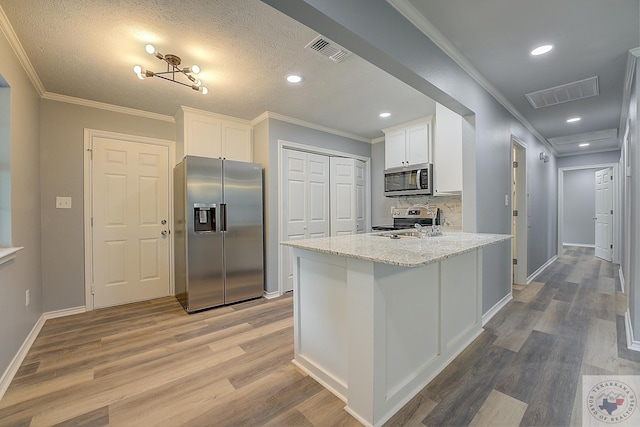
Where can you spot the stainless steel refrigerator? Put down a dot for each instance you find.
(218, 232)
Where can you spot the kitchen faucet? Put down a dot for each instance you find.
(435, 229)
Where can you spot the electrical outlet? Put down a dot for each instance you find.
(26, 298)
(63, 202)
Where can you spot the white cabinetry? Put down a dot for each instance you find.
(447, 152)
(201, 133)
(408, 144)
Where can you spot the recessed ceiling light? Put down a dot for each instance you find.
(584, 144)
(574, 119)
(541, 50)
(385, 115)
(294, 78)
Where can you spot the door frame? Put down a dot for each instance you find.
(522, 194)
(89, 135)
(615, 256)
(282, 144)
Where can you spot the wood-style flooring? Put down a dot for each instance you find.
(151, 364)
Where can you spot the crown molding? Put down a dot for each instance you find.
(629, 74)
(12, 38)
(292, 120)
(421, 23)
(108, 107)
(185, 109)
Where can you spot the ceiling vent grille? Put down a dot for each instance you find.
(330, 49)
(564, 93)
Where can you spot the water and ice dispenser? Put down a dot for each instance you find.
(204, 217)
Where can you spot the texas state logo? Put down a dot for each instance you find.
(610, 400)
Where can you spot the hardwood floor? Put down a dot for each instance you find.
(151, 364)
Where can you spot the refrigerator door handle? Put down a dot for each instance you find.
(223, 217)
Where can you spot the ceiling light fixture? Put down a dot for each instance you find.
(584, 144)
(173, 68)
(385, 115)
(541, 50)
(573, 120)
(294, 78)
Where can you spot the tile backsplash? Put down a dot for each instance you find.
(451, 207)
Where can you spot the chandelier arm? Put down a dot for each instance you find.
(170, 80)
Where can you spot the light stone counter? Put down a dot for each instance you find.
(403, 252)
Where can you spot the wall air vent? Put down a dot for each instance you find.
(564, 93)
(330, 49)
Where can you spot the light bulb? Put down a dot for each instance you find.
(137, 69)
(198, 82)
(195, 69)
(150, 49)
(204, 90)
(141, 76)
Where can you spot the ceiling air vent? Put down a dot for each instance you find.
(564, 93)
(330, 49)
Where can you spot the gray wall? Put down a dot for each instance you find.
(605, 158)
(284, 131)
(62, 164)
(21, 154)
(579, 207)
(373, 30)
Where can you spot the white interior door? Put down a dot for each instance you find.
(305, 203)
(604, 214)
(343, 192)
(361, 197)
(130, 211)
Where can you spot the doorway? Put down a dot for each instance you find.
(519, 211)
(127, 217)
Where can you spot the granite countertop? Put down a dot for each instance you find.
(404, 252)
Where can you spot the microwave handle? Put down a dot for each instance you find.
(418, 176)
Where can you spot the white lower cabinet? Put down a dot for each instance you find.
(205, 134)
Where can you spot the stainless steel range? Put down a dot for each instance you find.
(404, 218)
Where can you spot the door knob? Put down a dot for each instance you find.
(163, 222)
(163, 232)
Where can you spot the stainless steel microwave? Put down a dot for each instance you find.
(408, 181)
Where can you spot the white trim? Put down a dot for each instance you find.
(104, 106)
(541, 269)
(616, 206)
(292, 120)
(12, 38)
(580, 245)
(186, 109)
(631, 343)
(325, 152)
(271, 295)
(621, 273)
(521, 232)
(629, 77)
(496, 308)
(14, 365)
(7, 254)
(421, 23)
(89, 134)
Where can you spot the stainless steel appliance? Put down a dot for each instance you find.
(404, 218)
(408, 181)
(218, 230)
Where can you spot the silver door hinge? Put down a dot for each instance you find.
(611, 246)
(90, 150)
(611, 211)
(92, 221)
(515, 164)
(515, 213)
(515, 261)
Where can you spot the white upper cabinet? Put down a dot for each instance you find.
(201, 133)
(447, 152)
(408, 144)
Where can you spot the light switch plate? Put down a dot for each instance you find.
(63, 202)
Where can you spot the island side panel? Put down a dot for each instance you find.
(320, 318)
(461, 305)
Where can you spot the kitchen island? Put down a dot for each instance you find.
(376, 318)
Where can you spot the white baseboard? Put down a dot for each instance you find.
(621, 273)
(632, 344)
(541, 269)
(496, 308)
(13, 367)
(581, 245)
(271, 295)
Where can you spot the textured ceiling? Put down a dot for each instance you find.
(87, 49)
(591, 38)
